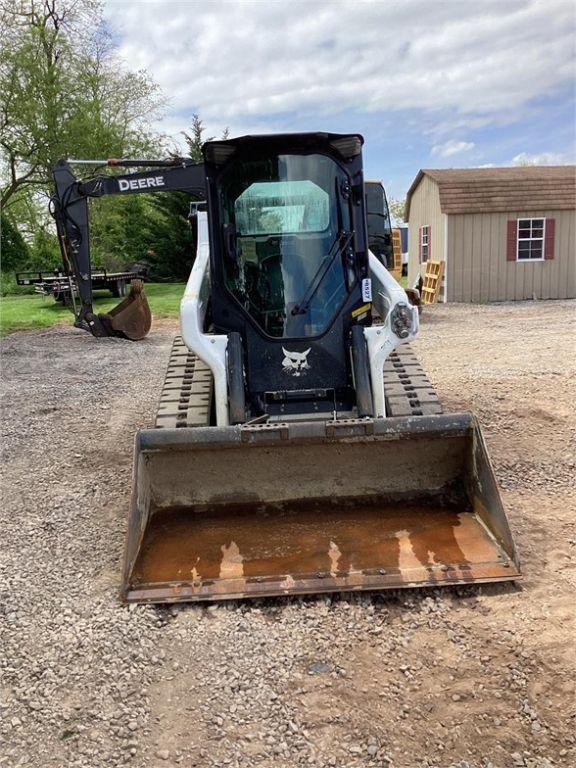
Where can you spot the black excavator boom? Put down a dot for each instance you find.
(69, 206)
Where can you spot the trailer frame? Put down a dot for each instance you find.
(57, 284)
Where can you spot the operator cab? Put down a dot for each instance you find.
(285, 237)
(288, 260)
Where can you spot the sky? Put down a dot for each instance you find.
(428, 83)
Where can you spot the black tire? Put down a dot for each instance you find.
(119, 289)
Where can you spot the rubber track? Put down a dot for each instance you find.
(407, 389)
(186, 398)
(187, 393)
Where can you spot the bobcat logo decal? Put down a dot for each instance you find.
(295, 363)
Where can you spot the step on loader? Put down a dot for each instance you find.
(299, 446)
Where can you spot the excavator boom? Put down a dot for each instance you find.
(132, 318)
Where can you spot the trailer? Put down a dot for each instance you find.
(56, 282)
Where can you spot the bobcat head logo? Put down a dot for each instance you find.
(295, 363)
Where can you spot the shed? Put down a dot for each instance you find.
(504, 233)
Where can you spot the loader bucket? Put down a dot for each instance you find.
(282, 509)
(132, 317)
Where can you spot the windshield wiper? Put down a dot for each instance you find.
(301, 307)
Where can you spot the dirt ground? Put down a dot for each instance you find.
(464, 677)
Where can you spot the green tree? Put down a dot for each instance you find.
(397, 209)
(63, 92)
(120, 230)
(195, 140)
(13, 249)
(45, 251)
(171, 246)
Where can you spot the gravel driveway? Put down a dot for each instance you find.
(467, 677)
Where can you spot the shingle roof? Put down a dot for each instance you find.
(488, 190)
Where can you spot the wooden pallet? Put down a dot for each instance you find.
(432, 282)
(396, 270)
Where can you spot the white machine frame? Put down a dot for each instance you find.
(387, 295)
(210, 347)
(382, 340)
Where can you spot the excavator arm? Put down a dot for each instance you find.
(69, 206)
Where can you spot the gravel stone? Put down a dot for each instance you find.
(319, 667)
(341, 680)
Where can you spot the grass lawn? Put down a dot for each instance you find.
(26, 312)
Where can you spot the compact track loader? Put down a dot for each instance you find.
(299, 446)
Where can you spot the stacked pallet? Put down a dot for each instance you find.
(432, 282)
(396, 270)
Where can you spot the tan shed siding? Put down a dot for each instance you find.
(487, 283)
(565, 240)
(424, 210)
(479, 271)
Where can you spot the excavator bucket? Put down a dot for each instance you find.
(280, 509)
(132, 317)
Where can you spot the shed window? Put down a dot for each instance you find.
(531, 239)
(424, 243)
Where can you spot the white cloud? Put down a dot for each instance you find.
(452, 147)
(543, 158)
(235, 62)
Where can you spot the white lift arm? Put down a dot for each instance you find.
(211, 348)
(399, 324)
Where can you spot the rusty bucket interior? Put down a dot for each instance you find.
(132, 317)
(226, 513)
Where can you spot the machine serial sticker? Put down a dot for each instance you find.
(366, 289)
